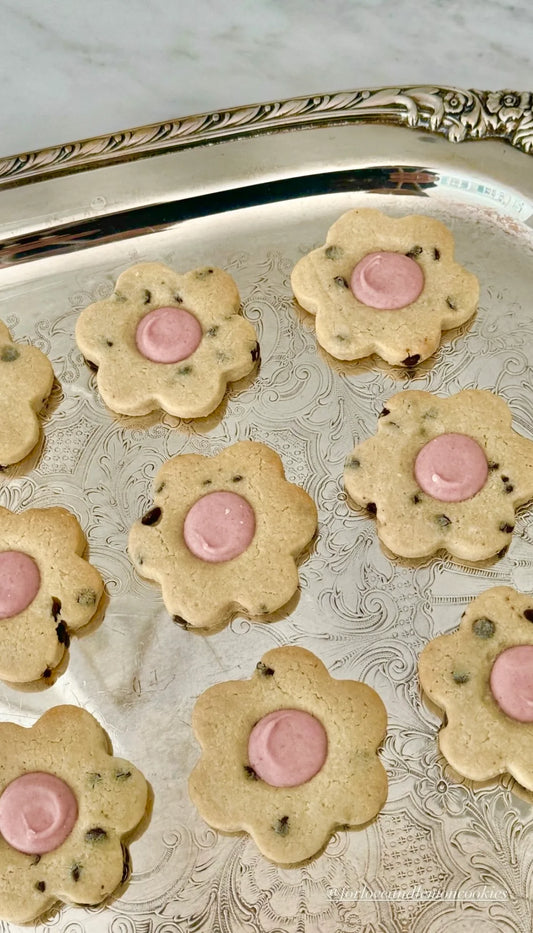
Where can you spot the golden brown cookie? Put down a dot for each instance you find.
(474, 672)
(245, 526)
(109, 797)
(349, 327)
(26, 379)
(381, 474)
(47, 590)
(289, 823)
(167, 314)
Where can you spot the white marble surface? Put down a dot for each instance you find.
(72, 69)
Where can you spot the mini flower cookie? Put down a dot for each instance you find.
(443, 473)
(223, 535)
(169, 341)
(26, 379)
(65, 805)
(482, 677)
(289, 756)
(384, 285)
(47, 590)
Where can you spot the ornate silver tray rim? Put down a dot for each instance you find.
(456, 114)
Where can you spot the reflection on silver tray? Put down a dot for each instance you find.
(255, 202)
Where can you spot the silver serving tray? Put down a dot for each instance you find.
(253, 189)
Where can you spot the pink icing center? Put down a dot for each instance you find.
(168, 335)
(19, 582)
(451, 467)
(37, 812)
(287, 747)
(387, 281)
(219, 526)
(511, 682)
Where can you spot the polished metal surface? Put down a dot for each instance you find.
(442, 855)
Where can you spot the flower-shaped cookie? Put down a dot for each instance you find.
(47, 590)
(384, 285)
(223, 535)
(169, 341)
(26, 379)
(289, 755)
(482, 677)
(443, 473)
(65, 805)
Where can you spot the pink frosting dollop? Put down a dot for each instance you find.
(387, 281)
(168, 335)
(451, 467)
(19, 582)
(219, 526)
(511, 682)
(287, 747)
(37, 812)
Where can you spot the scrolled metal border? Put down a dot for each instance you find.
(451, 112)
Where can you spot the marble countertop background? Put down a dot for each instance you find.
(72, 69)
